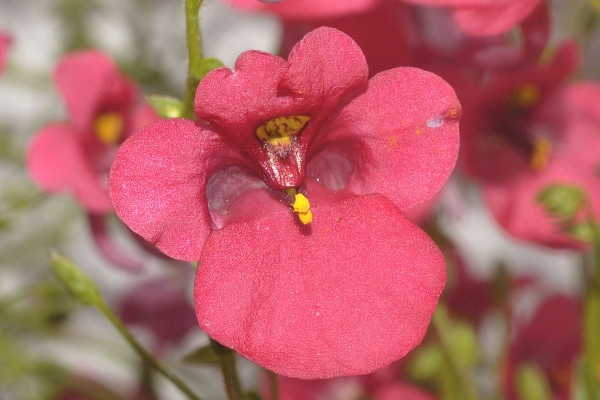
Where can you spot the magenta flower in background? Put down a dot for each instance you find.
(5, 42)
(290, 191)
(306, 9)
(75, 156)
(527, 130)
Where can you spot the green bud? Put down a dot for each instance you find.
(562, 201)
(583, 231)
(78, 283)
(208, 64)
(202, 355)
(426, 363)
(464, 341)
(166, 106)
(531, 383)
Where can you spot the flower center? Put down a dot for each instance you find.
(108, 127)
(301, 206)
(278, 131)
(525, 96)
(542, 150)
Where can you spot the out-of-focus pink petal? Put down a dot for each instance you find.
(407, 121)
(401, 391)
(56, 163)
(90, 83)
(108, 248)
(495, 19)
(5, 42)
(144, 115)
(306, 9)
(161, 306)
(513, 201)
(387, 19)
(158, 182)
(321, 300)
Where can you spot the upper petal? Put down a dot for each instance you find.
(5, 42)
(158, 181)
(403, 134)
(348, 294)
(89, 83)
(57, 163)
(494, 19)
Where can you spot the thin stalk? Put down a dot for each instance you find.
(194, 46)
(591, 322)
(147, 357)
(273, 384)
(231, 379)
(441, 326)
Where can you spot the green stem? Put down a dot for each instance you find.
(441, 326)
(147, 357)
(194, 46)
(274, 385)
(591, 323)
(228, 368)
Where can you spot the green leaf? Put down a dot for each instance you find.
(532, 384)
(583, 231)
(208, 64)
(74, 279)
(203, 355)
(166, 106)
(562, 201)
(426, 363)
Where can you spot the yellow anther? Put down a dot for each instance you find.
(300, 206)
(542, 150)
(108, 127)
(279, 130)
(525, 96)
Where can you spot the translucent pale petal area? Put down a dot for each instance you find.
(306, 9)
(401, 135)
(90, 83)
(346, 295)
(157, 184)
(56, 162)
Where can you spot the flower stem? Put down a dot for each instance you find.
(194, 46)
(591, 322)
(147, 357)
(442, 326)
(228, 368)
(273, 384)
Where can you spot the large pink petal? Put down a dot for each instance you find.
(307, 9)
(90, 83)
(401, 391)
(57, 163)
(347, 294)
(406, 123)
(158, 180)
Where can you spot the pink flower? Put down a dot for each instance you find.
(290, 191)
(485, 17)
(527, 130)
(5, 42)
(75, 156)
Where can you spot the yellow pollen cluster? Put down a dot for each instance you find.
(525, 96)
(542, 150)
(108, 127)
(300, 206)
(279, 130)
